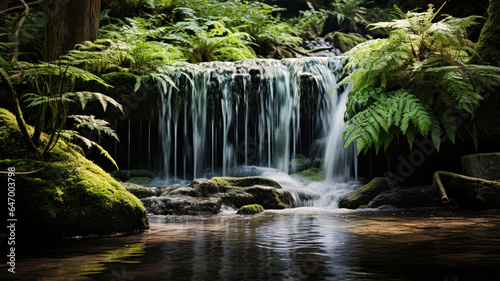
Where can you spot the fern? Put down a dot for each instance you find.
(399, 109)
(413, 82)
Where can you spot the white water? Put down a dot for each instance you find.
(259, 102)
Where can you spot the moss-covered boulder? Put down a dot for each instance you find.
(125, 175)
(238, 192)
(299, 163)
(140, 180)
(69, 195)
(364, 194)
(228, 182)
(250, 209)
(237, 198)
(344, 41)
(205, 187)
(313, 174)
(407, 197)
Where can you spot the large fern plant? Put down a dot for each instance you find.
(414, 83)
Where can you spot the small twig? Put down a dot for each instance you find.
(20, 7)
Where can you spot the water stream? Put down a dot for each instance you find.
(295, 244)
(256, 113)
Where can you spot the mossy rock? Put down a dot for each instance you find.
(269, 197)
(407, 197)
(139, 192)
(125, 175)
(69, 196)
(364, 194)
(226, 183)
(344, 41)
(313, 174)
(299, 163)
(250, 209)
(237, 198)
(140, 180)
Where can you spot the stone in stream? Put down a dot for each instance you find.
(364, 194)
(250, 209)
(182, 205)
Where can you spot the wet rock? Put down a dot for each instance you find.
(179, 190)
(364, 194)
(269, 197)
(482, 196)
(407, 197)
(204, 187)
(139, 192)
(485, 166)
(227, 182)
(313, 174)
(237, 198)
(250, 209)
(182, 205)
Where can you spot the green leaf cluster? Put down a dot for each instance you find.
(414, 83)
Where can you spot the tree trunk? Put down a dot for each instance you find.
(68, 23)
(489, 39)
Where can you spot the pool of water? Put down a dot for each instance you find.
(293, 244)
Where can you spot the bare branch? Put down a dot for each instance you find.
(20, 7)
(18, 26)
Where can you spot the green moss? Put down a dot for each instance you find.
(489, 39)
(299, 163)
(344, 41)
(140, 180)
(228, 182)
(70, 195)
(313, 174)
(250, 209)
(139, 192)
(365, 194)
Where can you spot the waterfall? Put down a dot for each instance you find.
(253, 113)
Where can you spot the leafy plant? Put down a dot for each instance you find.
(349, 13)
(54, 85)
(414, 82)
(206, 40)
(309, 20)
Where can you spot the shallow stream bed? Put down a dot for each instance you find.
(293, 244)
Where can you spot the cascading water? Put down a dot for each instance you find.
(252, 113)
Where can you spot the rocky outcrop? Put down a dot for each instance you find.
(485, 166)
(408, 197)
(363, 195)
(204, 196)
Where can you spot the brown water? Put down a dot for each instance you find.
(293, 244)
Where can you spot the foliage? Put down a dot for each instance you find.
(70, 195)
(130, 44)
(349, 13)
(414, 82)
(259, 20)
(54, 83)
(205, 40)
(309, 20)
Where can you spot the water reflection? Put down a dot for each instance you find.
(298, 244)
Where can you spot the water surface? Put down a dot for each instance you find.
(294, 244)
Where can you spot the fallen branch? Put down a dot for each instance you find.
(439, 174)
(21, 173)
(20, 7)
